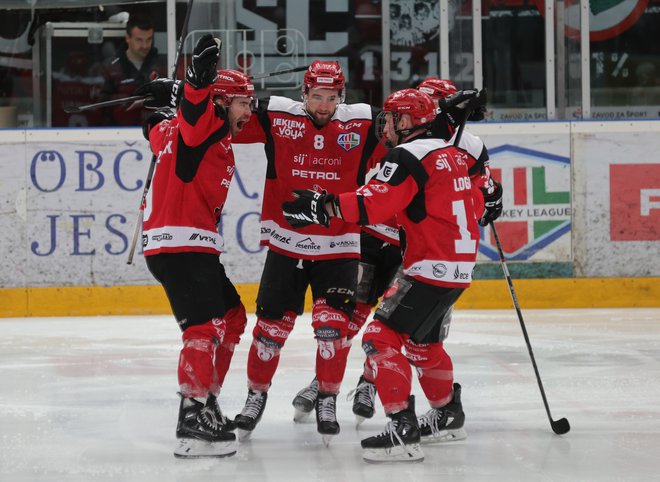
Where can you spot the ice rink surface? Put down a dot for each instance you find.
(94, 399)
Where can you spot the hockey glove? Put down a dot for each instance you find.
(154, 119)
(479, 112)
(307, 208)
(202, 71)
(161, 93)
(492, 204)
(458, 105)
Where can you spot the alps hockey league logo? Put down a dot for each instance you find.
(536, 221)
(348, 141)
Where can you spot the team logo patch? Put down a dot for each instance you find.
(348, 141)
(386, 171)
(379, 188)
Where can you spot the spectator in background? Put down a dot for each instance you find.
(137, 63)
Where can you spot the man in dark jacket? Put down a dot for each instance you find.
(134, 65)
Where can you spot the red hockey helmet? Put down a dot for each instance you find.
(437, 88)
(327, 75)
(413, 102)
(416, 103)
(232, 83)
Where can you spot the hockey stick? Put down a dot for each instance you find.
(152, 164)
(561, 426)
(279, 72)
(75, 109)
(137, 98)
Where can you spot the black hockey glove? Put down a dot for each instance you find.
(460, 104)
(154, 119)
(307, 208)
(202, 71)
(479, 112)
(492, 204)
(163, 92)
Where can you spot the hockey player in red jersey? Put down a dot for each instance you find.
(180, 237)
(451, 115)
(425, 182)
(380, 253)
(319, 143)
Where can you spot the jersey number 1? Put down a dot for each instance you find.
(464, 245)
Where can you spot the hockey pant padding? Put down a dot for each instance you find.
(331, 330)
(197, 372)
(434, 371)
(360, 315)
(268, 338)
(235, 320)
(393, 375)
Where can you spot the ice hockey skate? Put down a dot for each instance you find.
(399, 442)
(251, 414)
(305, 401)
(444, 424)
(364, 400)
(202, 430)
(326, 416)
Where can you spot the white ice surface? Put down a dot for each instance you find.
(87, 399)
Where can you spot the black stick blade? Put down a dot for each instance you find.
(72, 109)
(561, 426)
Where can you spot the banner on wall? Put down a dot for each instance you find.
(535, 172)
(617, 198)
(73, 206)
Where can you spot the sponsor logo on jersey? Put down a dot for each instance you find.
(386, 172)
(308, 245)
(348, 141)
(379, 188)
(343, 244)
(326, 161)
(440, 270)
(162, 237)
(280, 238)
(458, 275)
(320, 175)
(300, 159)
(202, 238)
(442, 162)
(537, 212)
(288, 128)
(350, 125)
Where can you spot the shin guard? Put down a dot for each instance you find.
(393, 375)
(359, 318)
(435, 371)
(269, 336)
(235, 320)
(196, 370)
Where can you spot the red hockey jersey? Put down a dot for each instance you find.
(426, 183)
(195, 166)
(301, 155)
(479, 171)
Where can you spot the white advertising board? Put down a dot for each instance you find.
(585, 192)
